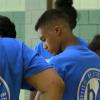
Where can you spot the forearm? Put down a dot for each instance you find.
(38, 95)
(48, 96)
(33, 95)
(49, 84)
(54, 93)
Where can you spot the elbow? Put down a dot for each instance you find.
(57, 86)
(60, 85)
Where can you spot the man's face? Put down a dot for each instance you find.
(51, 39)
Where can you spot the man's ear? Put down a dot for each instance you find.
(58, 30)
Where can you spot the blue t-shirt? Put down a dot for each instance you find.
(42, 51)
(17, 62)
(80, 69)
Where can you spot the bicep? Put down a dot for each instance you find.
(42, 80)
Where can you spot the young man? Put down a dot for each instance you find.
(76, 64)
(62, 5)
(21, 66)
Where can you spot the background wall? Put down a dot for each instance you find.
(88, 24)
(34, 8)
(88, 19)
(12, 5)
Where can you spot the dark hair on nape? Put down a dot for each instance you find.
(51, 16)
(7, 27)
(66, 6)
(95, 43)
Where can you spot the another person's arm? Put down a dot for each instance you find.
(49, 84)
(42, 77)
(32, 95)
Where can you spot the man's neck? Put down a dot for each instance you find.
(68, 42)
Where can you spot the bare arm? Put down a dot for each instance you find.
(49, 84)
(38, 95)
(35, 95)
(32, 95)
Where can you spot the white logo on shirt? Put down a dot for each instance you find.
(4, 90)
(89, 87)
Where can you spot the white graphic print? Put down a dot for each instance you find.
(89, 87)
(4, 90)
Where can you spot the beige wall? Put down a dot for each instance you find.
(12, 5)
(87, 4)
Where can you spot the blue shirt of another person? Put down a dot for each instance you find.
(80, 69)
(17, 62)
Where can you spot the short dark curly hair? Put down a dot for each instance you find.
(7, 27)
(51, 16)
(95, 43)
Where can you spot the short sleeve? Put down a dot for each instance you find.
(33, 62)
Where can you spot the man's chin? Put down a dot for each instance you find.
(51, 52)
